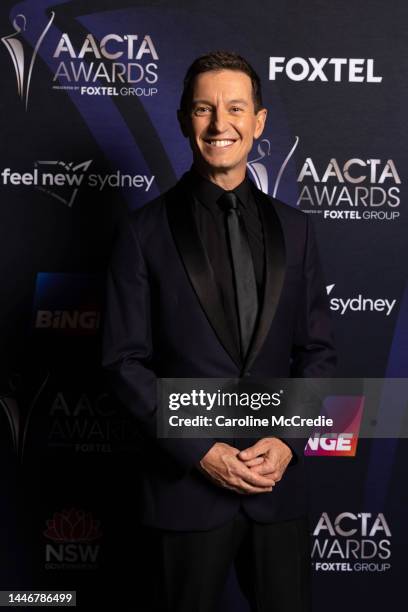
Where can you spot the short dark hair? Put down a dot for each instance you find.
(220, 60)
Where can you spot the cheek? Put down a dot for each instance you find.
(247, 130)
(200, 125)
(195, 130)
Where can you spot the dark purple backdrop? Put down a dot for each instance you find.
(68, 501)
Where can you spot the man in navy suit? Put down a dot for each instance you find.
(216, 279)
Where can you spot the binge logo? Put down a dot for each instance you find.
(67, 303)
(346, 412)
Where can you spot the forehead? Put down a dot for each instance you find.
(227, 83)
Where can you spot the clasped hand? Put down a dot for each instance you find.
(256, 469)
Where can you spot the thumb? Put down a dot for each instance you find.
(259, 448)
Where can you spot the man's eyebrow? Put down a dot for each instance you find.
(202, 102)
(237, 101)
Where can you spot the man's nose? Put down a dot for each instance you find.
(219, 120)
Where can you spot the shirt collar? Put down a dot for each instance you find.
(209, 193)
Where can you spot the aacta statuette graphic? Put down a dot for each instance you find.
(22, 65)
(259, 171)
(18, 418)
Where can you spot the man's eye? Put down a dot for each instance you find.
(236, 109)
(201, 110)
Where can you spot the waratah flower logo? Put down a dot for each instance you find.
(72, 526)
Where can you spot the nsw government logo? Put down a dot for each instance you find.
(351, 542)
(73, 534)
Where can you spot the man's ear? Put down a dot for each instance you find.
(260, 122)
(183, 119)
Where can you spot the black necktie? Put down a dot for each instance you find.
(243, 267)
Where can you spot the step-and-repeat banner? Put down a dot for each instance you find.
(88, 122)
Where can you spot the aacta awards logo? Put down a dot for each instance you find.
(354, 189)
(87, 422)
(351, 542)
(73, 534)
(23, 62)
(117, 65)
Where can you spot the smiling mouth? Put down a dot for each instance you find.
(220, 143)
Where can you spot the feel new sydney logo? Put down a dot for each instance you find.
(359, 303)
(62, 180)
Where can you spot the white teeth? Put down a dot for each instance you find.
(220, 143)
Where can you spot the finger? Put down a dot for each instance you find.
(253, 462)
(253, 478)
(247, 488)
(259, 448)
(267, 470)
(242, 487)
(273, 477)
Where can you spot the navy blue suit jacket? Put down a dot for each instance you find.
(164, 319)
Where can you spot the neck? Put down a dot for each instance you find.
(227, 179)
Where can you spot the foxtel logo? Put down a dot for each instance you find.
(334, 69)
(67, 319)
(360, 303)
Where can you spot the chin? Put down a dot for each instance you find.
(220, 166)
(221, 163)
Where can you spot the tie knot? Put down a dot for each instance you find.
(229, 200)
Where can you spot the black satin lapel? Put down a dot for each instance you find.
(275, 268)
(183, 227)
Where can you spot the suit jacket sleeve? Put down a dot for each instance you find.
(313, 353)
(128, 350)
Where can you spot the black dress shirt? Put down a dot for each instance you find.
(210, 218)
